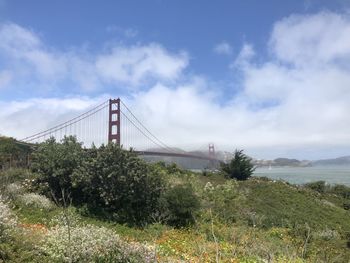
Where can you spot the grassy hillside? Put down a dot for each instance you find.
(257, 220)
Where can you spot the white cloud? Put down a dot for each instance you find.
(34, 62)
(223, 48)
(244, 57)
(132, 65)
(312, 39)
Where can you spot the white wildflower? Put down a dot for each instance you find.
(36, 200)
(7, 219)
(87, 243)
(13, 190)
(208, 186)
(65, 218)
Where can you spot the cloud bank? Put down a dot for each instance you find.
(294, 103)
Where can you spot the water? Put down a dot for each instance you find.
(302, 175)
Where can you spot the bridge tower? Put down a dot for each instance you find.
(211, 150)
(212, 156)
(114, 121)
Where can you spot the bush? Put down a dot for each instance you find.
(118, 184)
(13, 176)
(223, 200)
(92, 244)
(240, 167)
(341, 190)
(36, 200)
(55, 163)
(319, 186)
(7, 219)
(346, 205)
(181, 204)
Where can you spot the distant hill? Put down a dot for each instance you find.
(282, 162)
(344, 160)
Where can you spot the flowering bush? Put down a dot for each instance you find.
(92, 244)
(7, 219)
(13, 190)
(36, 200)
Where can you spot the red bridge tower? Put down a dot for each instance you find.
(114, 121)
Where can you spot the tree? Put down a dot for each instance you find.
(118, 185)
(240, 167)
(55, 163)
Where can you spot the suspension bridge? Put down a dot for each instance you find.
(113, 121)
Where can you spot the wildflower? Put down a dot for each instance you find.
(36, 200)
(7, 219)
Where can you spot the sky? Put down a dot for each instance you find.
(270, 77)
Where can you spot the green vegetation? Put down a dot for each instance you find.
(12, 153)
(107, 205)
(240, 167)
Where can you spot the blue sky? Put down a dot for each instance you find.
(268, 67)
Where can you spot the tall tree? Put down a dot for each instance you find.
(240, 167)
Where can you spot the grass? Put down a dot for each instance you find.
(286, 205)
(272, 220)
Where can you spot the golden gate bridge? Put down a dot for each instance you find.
(113, 121)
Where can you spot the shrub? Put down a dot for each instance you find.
(55, 163)
(119, 185)
(13, 190)
(92, 244)
(240, 167)
(346, 205)
(7, 219)
(319, 186)
(181, 204)
(36, 200)
(222, 199)
(13, 176)
(341, 190)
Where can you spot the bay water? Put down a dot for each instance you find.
(301, 175)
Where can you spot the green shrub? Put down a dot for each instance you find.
(346, 205)
(182, 205)
(13, 176)
(55, 163)
(119, 185)
(223, 200)
(240, 167)
(319, 186)
(341, 190)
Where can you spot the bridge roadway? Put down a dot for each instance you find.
(151, 153)
(171, 154)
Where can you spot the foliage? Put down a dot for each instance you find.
(120, 185)
(55, 163)
(36, 200)
(91, 244)
(341, 190)
(7, 219)
(287, 205)
(181, 204)
(240, 167)
(13, 176)
(222, 200)
(9, 145)
(319, 186)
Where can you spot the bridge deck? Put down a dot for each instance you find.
(184, 155)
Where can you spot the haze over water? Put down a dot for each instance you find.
(301, 175)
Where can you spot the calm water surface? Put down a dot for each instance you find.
(302, 175)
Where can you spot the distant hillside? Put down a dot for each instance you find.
(345, 160)
(282, 162)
